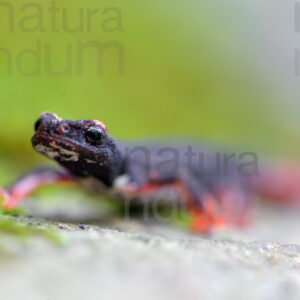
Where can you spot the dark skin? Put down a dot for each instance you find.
(136, 172)
(82, 147)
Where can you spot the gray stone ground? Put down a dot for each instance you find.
(152, 261)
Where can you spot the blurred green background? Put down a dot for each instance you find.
(191, 68)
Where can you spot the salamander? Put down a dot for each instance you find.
(214, 190)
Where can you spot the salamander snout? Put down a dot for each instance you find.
(49, 121)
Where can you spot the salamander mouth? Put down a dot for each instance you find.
(57, 147)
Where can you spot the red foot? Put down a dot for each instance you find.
(7, 201)
(220, 214)
(208, 218)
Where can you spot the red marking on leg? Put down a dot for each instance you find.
(206, 215)
(26, 186)
(152, 187)
(208, 218)
(149, 188)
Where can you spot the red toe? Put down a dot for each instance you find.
(6, 199)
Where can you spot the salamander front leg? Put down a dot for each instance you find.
(28, 184)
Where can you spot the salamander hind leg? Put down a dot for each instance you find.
(225, 207)
(208, 216)
(236, 204)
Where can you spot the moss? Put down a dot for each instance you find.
(9, 224)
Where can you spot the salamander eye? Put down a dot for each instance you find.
(37, 124)
(94, 135)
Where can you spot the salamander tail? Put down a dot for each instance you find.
(280, 185)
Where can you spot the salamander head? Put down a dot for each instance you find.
(83, 147)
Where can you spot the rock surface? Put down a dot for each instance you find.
(153, 262)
